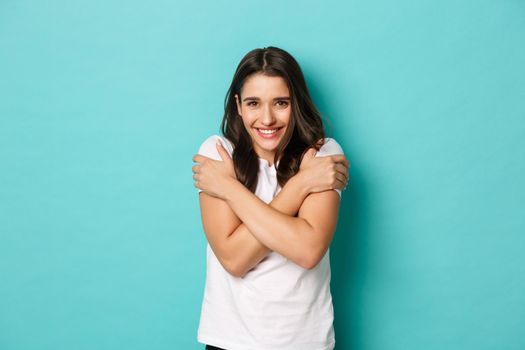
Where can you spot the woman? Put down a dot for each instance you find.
(269, 197)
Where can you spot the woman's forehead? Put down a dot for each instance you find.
(263, 86)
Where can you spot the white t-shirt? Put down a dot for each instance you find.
(278, 305)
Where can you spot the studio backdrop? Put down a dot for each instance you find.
(103, 104)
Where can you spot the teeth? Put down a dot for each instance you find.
(267, 131)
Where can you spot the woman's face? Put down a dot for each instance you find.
(265, 110)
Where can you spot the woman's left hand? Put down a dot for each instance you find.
(214, 176)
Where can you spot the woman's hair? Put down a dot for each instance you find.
(305, 128)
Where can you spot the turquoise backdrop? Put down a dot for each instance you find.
(104, 103)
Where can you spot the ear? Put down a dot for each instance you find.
(238, 104)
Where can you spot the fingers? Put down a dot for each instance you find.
(195, 171)
(340, 183)
(340, 158)
(312, 151)
(341, 169)
(342, 178)
(222, 152)
(199, 158)
(196, 158)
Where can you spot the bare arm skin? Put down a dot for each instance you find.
(235, 244)
(237, 249)
(303, 239)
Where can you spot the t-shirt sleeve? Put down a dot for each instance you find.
(208, 149)
(330, 147)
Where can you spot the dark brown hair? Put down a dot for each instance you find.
(305, 128)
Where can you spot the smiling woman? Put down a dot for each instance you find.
(264, 116)
(269, 192)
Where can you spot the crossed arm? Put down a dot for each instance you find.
(242, 229)
(237, 248)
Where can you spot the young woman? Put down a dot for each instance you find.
(269, 194)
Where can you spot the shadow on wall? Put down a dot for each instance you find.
(349, 251)
(348, 256)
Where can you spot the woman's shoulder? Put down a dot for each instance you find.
(208, 148)
(330, 147)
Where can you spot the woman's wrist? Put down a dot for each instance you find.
(300, 184)
(231, 185)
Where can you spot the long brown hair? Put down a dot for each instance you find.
(305, 128)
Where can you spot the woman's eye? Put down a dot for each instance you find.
(252, 103)
(283, 103)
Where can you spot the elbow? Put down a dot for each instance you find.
(312, 252)
(310, 264)
(310, 261)
(313, 256)
(237, 273)
(234, 269)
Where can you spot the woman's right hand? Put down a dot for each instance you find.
(323, 173)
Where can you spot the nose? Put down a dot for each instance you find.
(267, 117)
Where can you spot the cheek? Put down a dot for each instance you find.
(249, 116)
(246, 123)
(285, 115)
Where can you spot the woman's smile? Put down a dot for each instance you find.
(266, 110)
(268, 133)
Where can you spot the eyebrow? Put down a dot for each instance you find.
(252, 98)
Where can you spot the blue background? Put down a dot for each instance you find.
(103, 104)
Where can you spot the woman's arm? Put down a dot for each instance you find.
(235, 246)
(216, 178)
(303, 239)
